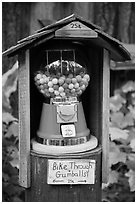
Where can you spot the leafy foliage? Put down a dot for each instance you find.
(121, 183)
(11, 190)
(122, 145)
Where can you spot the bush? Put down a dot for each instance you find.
(11, 191)
(121, 184)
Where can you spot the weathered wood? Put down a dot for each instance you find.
(24, 120)
(105, 115)
(118, 52)
(40, 191)
(76, 29)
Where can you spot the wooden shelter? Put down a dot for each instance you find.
(99, 48)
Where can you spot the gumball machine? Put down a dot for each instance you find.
(64, 90)
(62, 127)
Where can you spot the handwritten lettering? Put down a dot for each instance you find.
(71, 171)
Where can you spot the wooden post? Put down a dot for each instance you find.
(105, 115)
(24, 120)
(40, 191)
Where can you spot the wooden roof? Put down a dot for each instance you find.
(117, 51)
(126, 65)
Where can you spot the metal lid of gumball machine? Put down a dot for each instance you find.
(62, 80)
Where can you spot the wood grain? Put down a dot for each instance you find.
(24, 120)
(40, 191)
(105, 116)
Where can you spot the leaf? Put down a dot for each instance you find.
(131, 135)
(115, 155)
(117, 118)
(133, 98)
(4, 128)
(132, 144)
(116, 102)
(132, 111)
(15, 163)
(131, 175)
(9, 85)
(5, 177)
(14, 179)
(7, 118)
(131, 161)
(12, 130)
(9, 169)
(113, 178)
(128, 87)
(14, 154)
(117, 133)
(128, 120)
(12, 190)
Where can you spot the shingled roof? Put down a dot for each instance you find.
(117, 50)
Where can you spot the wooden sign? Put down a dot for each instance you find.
(76, 29)
(76, 171)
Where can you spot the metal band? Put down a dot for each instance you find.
(63, 142)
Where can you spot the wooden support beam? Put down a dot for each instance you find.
(105, 116)
(24, 119)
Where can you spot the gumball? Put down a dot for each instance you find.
(55, 81)
(84, 79)
(44, 76)
(55, 87)
(85, 82)
(51, 90)
(61, 80)
(74, 80)
(45, 86)
(80, 92)
(86, 76)
(58, 75)
(41, 87)
(50, 84)
(48, 94)
(70, 76)
(76, 85)
(83, 87)
(73, 91)
(81, 83)
(46, 79)
(63, 94)
(82, 74)
(78, 89)
(61, 89)
(63, 77)
(42, 91)
(52, 95)
(35, 78)
(79, 78)
(71, 86)
(46, 91)
(47, 74)
(56, 92)
(38, 76)
(41, 81)
(38, 82)
(68, 80)
(65, 85)
(66, 91)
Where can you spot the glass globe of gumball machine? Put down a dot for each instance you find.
(63, 127)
